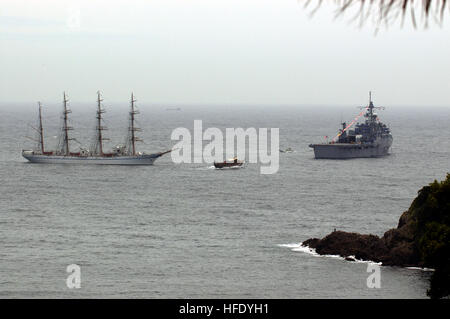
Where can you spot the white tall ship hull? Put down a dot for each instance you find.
(122, 154)
(93, 160)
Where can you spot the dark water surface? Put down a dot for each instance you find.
(188, 230)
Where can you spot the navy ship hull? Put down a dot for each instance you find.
(348, 150)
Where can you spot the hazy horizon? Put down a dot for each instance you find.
(215, 52)
(56, 107)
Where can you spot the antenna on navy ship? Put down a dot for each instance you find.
(370, 105)
(370, 115)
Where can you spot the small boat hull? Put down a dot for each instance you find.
(226, 165)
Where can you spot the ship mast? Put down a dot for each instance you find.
(41, 129)
(370, 105)
(66, 127)
(370, 115)
(100, 128)
(133, 128)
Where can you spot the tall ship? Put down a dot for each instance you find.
(122, 154)
(370, 138)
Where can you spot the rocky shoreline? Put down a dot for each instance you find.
(421, 239)
(395, 248)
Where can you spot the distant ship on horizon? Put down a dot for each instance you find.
(369, 139)
(122, 154)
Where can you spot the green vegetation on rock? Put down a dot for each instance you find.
(431, 212)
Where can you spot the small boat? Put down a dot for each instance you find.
(234, 162)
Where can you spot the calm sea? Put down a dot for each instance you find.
(188, 230)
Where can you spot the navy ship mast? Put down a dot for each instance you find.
(370, 115)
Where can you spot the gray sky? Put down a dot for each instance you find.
(214, 51)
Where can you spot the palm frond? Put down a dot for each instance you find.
(389, 11)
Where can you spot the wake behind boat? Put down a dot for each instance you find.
(121, 155)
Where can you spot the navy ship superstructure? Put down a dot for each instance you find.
(370, 138)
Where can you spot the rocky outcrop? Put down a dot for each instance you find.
(364, 247)
(394, 248)
(422, 238)
(397, 247)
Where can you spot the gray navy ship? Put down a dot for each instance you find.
(368, 139)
